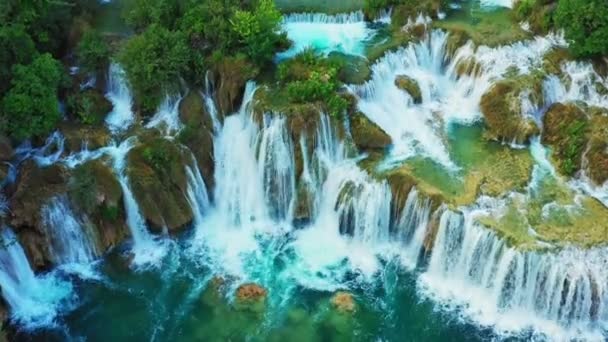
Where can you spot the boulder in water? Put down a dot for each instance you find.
(410, 86)
(502, 109)
(78, 136)
(232, 73)
(565, 131)
(366, 134)
(251, 297)
(344, 302)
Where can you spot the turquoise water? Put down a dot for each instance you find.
(173, 302)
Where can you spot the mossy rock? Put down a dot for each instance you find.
(78, 136)
(366, 134)
(156, 171)
(344, 302)
(501, 108)
(597, 148)
(94, 190)
(354, 70)
(565, 131)
(197, 134)
(251, 297)
(411, 9)
(468, 67)
(410, 86)
(555, 59)
(89, 106)
(232, 73)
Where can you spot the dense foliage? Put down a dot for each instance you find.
(585, 23)
(93, 52)
(31, 107)
(310, 78)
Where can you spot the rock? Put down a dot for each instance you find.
(501, 108)
(597, 149)
(456, 39)
(250, 297)
(565, 131)
(78, 136)
(89, 106)
(35, 185)
(354, 70)
(95, 191)
(197, 135)
(468, 67)
(232, 75)
(35, 246)
(6, 148)
(156, 171)
(344, 302)
(554, 59)
(410, 86)
(366, 134)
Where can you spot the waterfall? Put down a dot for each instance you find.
(412, 225)
(496, 3)
(166, 118)
(418, 129)
(34, 301)
(559, 294)
(145, 248)
(70, 238)
(48, 154)
(122, 116)
(197, 193)
(581, 86)
(345, 33)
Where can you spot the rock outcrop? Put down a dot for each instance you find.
(410, 86)
(344, 302)
(156, 170)
(197, 134)
(366, 134)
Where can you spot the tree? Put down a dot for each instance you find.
(585, 23)
(140, 14)
(259, 30)
(93, 52)
(31, 107)
(154, 61)
(16, 47)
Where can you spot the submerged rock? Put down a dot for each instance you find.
(156, 171)
(344, 302)
(250, 297)
(502, 110)
(565, 131)
(366, 134)
(410, 86)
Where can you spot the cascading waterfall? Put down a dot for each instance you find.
(122, 116)
(345, 33)
(496, 3)
(561, 295)
(419, 129)
(145, 248)
(166, 118)
(198, 196)
(412, 226)
(34, 301)
(71, 239)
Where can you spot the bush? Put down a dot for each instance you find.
(31, 107)
(89, 106)
(93, 52)
(585, 23)
(153, 61)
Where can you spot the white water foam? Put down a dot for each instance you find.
(345, 33)
(122, 116)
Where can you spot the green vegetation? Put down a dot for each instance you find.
(585, 23)
(93, 52)
(311, 78)
(31, 108)
(90, 107)
(154, 60)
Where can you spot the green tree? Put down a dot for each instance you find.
(585, 23)
(31, 107)
(93, 52)
(16, 47)
(154, 61)
(141, 14)
(259, 30)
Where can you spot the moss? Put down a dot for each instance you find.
(410, 86)
(555, 59)
(565, 130)
(366, 134)
(389, 41)
(232, 74)
(597, 148)
(501, 108)
(468, 67)
(354, 70)
(156, 170)
(77, 136)
(90, 106)
(537, 13)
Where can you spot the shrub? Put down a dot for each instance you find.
(31, 107)
(585, 23)
(93, 52)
